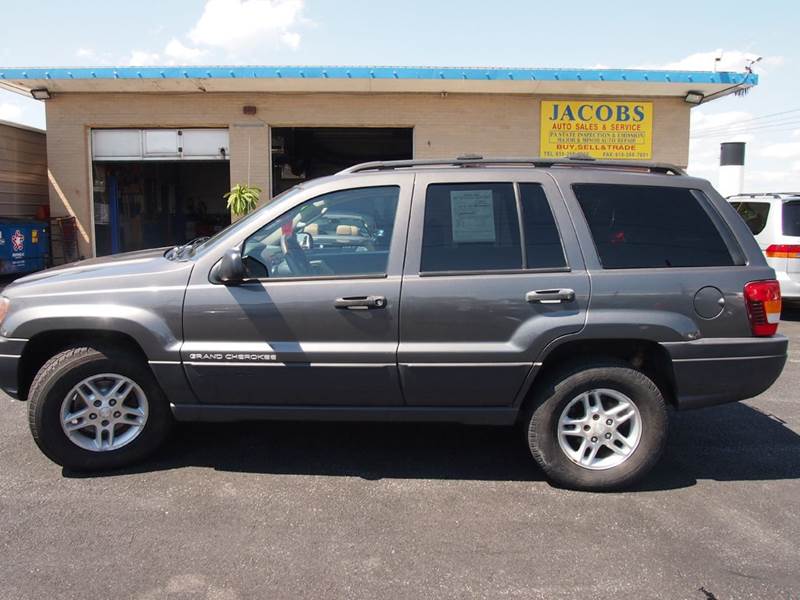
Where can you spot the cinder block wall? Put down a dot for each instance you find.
(488, 124)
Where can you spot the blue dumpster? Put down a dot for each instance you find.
(24, 245)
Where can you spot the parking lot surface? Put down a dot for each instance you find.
(301, 510)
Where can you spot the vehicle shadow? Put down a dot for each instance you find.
(791, 311)
(727, 443)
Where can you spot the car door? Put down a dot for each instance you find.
(318, 323)
(493, 274)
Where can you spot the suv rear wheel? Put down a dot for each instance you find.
(599, 425)
(97, 408)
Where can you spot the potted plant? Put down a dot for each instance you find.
(242, 199)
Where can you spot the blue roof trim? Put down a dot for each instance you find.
(323, 72)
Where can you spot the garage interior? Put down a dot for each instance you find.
(158, 187)
(302, 153)
(149, 204)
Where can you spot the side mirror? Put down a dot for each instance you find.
(230, 270)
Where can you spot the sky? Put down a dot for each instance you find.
(503, 33)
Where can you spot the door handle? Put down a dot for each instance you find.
(360, 302)
(550, 296)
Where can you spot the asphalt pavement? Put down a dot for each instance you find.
(302, 510)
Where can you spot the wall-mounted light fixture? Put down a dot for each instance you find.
(41, 94)
(694, 98)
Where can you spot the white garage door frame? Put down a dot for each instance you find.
(160, 144)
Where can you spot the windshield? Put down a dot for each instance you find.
(244, 221)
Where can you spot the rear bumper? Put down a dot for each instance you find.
(790, 287)
(719, 370)
(10, 353)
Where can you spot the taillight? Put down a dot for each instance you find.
(763, 299)
(782, 251)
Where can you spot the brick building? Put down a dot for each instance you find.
(142, 155)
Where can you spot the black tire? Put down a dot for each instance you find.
(553, 396)
(64, 371)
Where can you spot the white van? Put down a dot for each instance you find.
(774, 219)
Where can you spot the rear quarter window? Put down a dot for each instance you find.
(791, 218)
(754, 214)
(637, 227)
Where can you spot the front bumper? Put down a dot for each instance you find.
(719, 370)
(10, 353)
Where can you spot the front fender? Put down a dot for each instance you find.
(157, 335)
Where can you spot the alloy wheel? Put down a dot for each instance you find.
(104, 412)
(599, 429)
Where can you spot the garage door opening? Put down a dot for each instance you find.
(302, 153)
(147, 204)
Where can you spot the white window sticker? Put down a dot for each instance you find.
(472, 215)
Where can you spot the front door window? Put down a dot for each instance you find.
(342, 234)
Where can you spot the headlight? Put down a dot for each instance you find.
(4, 304)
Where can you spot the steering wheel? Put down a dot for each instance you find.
(294, 256)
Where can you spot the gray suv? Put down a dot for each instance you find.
(577, 299)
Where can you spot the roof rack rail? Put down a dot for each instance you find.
(765, 195)
(475, 160)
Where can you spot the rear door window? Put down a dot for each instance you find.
(636, 227)
(754, 214)
(791, 218)
(471, 227)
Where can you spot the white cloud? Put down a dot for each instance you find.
(140, 58)
(21, 109)
(291, 39)
(708, 129)
(236, 24)
(90, 56)
(770, 165)
(730, 60)
(10, 112)
(706, 169)
(174, 53)
(769, 180)
(782, 150)
(706, 121)
(180, 53)
(233, 26)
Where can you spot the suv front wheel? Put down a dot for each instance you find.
(97, 408)
(599, 425)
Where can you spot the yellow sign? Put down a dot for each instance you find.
(604, 129)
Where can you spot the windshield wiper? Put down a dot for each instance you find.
(195, 243)
(179, 252)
